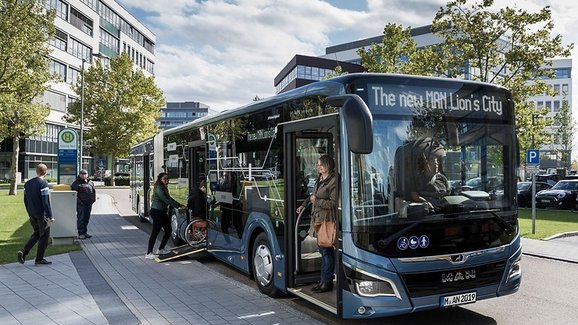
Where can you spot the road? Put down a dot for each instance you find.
(548, 295)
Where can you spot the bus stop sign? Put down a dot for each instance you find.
(533, 156)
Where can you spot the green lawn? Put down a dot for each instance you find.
(15, 229)
(548, 222)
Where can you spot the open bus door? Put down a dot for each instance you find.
(305, 141)
(195, 246)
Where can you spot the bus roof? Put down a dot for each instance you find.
(333, 86)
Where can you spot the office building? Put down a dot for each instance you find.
(85, 29)
(177, 113)
(302, 70)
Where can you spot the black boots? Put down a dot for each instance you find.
(324, 287)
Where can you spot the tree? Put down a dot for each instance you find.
(506, 46)
(25, 28)
(398, 53)
(120, 107)
(565, 125)
(338, 71)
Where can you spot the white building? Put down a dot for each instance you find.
(562, 86)
(85, 29)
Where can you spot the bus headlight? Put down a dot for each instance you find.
(370, 285)
(374, 288)
(515, 268)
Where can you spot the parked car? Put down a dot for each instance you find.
(548, 178)
(475, 184)
(525, 192)
(562, 195)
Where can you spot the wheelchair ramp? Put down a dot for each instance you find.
(184, 250)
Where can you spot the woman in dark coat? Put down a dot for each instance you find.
(324, 199)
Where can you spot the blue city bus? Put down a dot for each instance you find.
(394, 254)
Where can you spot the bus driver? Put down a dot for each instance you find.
(431, 183)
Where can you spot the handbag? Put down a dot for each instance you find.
(326, 234)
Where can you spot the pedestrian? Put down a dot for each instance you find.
(324, 200)
(37, 203)
(84, 199)
(160, 203)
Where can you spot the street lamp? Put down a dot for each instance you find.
(84, 60)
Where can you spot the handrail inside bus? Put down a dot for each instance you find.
(297, 239)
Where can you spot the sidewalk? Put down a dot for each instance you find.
(110, 282)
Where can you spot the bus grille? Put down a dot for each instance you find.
(458, 279)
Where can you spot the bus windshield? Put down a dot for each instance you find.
(434, 184)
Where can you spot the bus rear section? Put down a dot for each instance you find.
(417, 233)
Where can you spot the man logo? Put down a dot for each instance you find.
(457, 259)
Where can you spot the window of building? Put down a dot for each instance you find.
(109, 41)
(60, 7)
(548, 105)
(59, 69)
(110, 16)
(564, 89)
(539, 104)
(80, 21)
(60, 40)
(73, 75)
(92, 4)
(55, 100)
(562, 73)
(565, 103)
(556, 107)
(556, 90)
(79, 50)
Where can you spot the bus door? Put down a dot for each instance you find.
(146, 189)
(305, 142)
(197, 158)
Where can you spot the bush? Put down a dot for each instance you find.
(118, 181)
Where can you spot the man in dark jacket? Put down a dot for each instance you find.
(37, 202)
(85, 198)
(197, 201)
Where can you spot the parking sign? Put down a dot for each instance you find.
(532, 156)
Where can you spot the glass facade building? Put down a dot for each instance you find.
(84, 28)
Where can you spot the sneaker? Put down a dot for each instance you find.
(43, 262)
(21, 257)
(87, 236)
(162, 251)
(150, 256)
(82, 237)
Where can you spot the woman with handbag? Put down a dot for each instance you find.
(323, 218)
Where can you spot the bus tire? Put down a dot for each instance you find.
(263, 266)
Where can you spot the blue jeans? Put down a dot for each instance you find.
(327, 263)
(82, 217)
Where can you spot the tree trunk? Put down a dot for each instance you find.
(14, 165)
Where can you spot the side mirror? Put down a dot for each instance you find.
(358, 121)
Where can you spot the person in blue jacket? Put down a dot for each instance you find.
(160, 203)
(37, 203)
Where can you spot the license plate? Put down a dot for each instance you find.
(544, 201)
(464, 298)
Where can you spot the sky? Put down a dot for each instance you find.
(223, 53)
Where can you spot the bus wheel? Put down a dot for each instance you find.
(263, 267)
